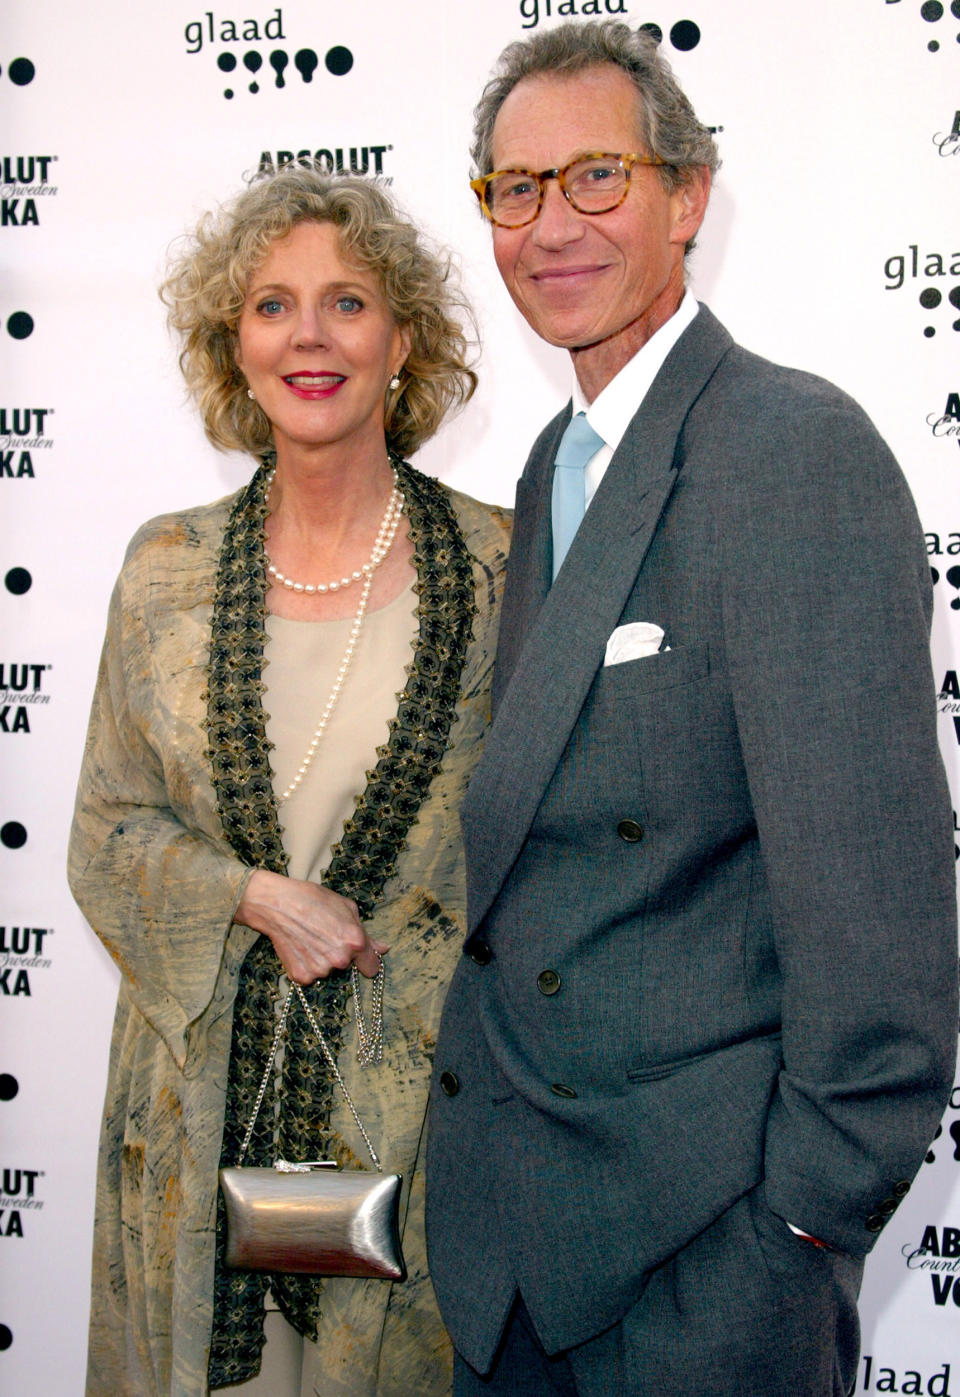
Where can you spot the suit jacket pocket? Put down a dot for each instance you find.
(666, 670)
(657, 1070)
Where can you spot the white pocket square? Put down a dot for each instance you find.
(633, 642)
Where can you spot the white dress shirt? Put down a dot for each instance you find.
(612, 409)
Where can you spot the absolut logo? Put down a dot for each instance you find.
(948, 703)
(340, 160)
(24, 184)
(21, 689)
(945, 425)
(938, 1256)
(949, 696)
(24, 950)
(948, 142)
(23, 432)
(19, 1197)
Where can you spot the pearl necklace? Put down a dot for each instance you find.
(385, 536)
(380, 550)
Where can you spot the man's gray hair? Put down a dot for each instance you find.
(668, 125)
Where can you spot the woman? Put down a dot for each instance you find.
(303, 665)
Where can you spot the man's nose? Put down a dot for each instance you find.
(559, 222)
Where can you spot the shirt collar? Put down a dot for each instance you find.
(612, 409)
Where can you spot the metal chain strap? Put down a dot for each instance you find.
(370, 1050)
(266, 1077)
(369, 1044)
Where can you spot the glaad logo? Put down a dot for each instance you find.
(936, 548)
(20, 687)
(948, 142)
(18, 1195)
(935, 1385)
(210, 30)
(931, 11)
(22, 432)
(353, 160)
(531, 10)
(952, 1144)
(22, 950)
(904, 266)
(23, 180)
(947, 423)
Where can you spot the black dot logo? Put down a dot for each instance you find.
(306, 63)
(931, 1154)
(685, 35)
(18, 581)
(932, 11)
(930, 298)
(9, 1086)
(6, 1337)
(226, 62)
(21, 71)
(20, 325)
(253, 63)
(13, 835)
(337, 60)
(278, 62)
(952, 576)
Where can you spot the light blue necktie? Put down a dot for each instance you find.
(578, 443)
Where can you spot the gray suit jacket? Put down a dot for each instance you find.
(733, 857)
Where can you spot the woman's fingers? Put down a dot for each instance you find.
(313, 930)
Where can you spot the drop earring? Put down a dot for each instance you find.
(250, 395)
(394, 383)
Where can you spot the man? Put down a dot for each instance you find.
(705, 1022)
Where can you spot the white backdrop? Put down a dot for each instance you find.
(830, 245)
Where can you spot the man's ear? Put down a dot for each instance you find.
(690, 201)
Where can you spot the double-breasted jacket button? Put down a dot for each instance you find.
(449, 1083)
(874, 1222)
(479, 950)
(630, 831)
(559, 1089)
(548, 982)
(901, 1189)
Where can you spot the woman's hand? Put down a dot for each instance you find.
(313, 930)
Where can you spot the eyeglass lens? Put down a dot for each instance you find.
(592, 186)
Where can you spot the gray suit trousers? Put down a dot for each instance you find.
(746, 1309)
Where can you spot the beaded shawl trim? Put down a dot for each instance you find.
(362, 861)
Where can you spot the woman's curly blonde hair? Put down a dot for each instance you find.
(207, 281)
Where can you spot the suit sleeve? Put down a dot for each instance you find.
(826, 613)
(159, 894)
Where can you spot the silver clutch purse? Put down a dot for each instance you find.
(314, 1218)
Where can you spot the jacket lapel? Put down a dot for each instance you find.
(555, 639)
(529, 571)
